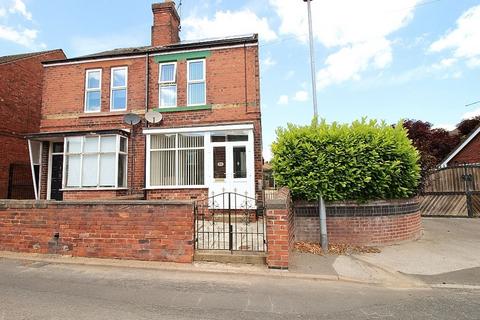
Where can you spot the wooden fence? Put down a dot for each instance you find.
(452, 191)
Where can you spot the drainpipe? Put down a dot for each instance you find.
(147, 96)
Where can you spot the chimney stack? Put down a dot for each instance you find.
(166, 24)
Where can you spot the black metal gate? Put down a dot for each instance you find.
(20, 184)
(230, 221)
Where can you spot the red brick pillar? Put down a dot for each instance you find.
(280, 230)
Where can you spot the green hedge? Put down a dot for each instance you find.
(365, 160)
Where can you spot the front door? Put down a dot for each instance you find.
(233, 165)
(57, 172)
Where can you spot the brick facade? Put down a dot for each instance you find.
(20, 103)
(232, 97)
(139, 230)
(469, 154)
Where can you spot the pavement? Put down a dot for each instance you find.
(56, 291)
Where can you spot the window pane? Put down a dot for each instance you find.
(168, 96)
(119, 77)
(218, 138)
(89, 170)
(108, 144)
(36, 147)
(195, 70)
(93, 101)
(73, 171)
(191, 167)
(90, 144)
(190, 140)
(93, 81)
(237, 137)
(167, 73)
(196, 93)
(219, 165)
(239, 162)
(123, 144)
(119, 99)
(57, 147)
(74, 144)
(162, 141)
(122, 170)
(107, 170)
(162, 168)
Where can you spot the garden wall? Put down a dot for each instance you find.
(140, 230)
(373, 223)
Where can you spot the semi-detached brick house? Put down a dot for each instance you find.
(208, 141)
(21, 79)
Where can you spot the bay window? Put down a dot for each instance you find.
(196, 84)
(96, 162)
(176, 160)
(93, 85)
(118, 92)
(167, 89)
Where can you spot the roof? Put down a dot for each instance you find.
(182, 45)
(11, 58)
(460, 147)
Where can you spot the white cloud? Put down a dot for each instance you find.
(3, 12)
(464, 40)
(268, 62)
(301, 96)
(18, 6)
(283, 99)
(446, 126)
(359, 33)
(471, 114)
(444, 63)
(25, 37)
(227, 23)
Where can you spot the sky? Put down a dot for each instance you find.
(381, 59)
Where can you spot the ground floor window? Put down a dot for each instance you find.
(98, 161)
(177, 159)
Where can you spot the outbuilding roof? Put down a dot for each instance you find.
(15, 57)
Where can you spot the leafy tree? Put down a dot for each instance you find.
(365, 160)
(466, 126)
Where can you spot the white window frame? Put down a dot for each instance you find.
(167, 83)
(117, 152)
(113, 88)
(176, 149)
(87, 89)
(203, 80)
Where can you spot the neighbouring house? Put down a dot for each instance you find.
(467, 152)
(21, 79)
(208, 142)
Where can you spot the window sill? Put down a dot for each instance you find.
(103, 114)
(175, 187)
(187, 108)
(93, 189)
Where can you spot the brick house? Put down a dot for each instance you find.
(208, 141)
(20, 103)
(467, 152)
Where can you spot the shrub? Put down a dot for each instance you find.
(365, 160)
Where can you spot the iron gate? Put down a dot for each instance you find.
(20, 184)
(230, 221)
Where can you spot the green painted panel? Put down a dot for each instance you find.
(188, 108)
(182, 56)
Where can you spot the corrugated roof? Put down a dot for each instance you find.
(11, 58)
(182, 45)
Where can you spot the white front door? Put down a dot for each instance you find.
(232, 163)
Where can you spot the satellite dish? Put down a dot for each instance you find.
(131, 119)
(153, 117)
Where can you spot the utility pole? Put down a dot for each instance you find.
(322, 214)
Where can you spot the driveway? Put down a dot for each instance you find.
(448, 252)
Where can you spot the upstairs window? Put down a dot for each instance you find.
(93, 85)
(95, 162)
(118, 94)
(196, 86)
(167, 81)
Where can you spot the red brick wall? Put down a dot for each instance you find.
(126, 230)
(20, 103)
(179, 194)
(469, 154)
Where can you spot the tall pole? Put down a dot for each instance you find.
(322, 214)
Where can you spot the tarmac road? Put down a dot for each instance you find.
(39, 290)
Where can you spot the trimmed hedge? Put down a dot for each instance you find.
(362, 161)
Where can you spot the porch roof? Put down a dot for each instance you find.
(46, 136)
